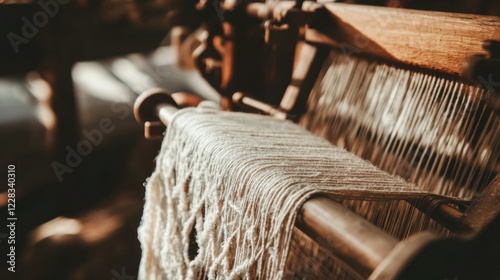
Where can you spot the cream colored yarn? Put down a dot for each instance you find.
(238, 180)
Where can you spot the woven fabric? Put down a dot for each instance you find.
(228, 185)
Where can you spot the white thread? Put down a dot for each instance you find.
(211, 162)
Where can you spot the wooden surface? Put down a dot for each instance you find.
(433, 40)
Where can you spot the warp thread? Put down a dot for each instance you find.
(436, 132)
(232, 183)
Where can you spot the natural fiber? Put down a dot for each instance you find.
(222, 201)
(436, 132)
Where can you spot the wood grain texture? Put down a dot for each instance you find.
(433, 40)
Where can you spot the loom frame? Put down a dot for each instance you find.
(373, 254)
(437, 45)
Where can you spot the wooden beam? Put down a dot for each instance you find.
(433, 40)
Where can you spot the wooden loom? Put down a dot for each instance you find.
(453, 46)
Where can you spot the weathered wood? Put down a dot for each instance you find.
(433, 40)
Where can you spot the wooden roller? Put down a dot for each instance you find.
(369, 250)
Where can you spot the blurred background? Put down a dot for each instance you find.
(69, 74)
